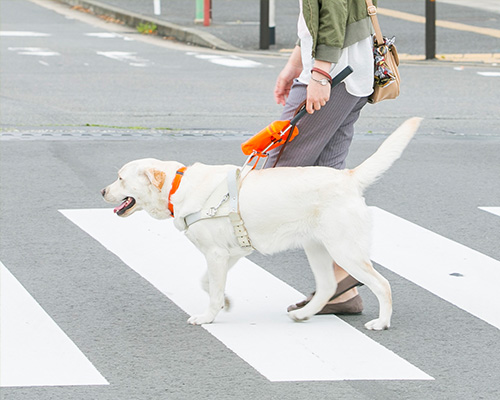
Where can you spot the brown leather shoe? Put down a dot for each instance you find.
(349, 307)
(343, 286)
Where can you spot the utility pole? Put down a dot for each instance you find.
(430, 29)
(265, 36)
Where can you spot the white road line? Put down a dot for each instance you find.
(493, 210)
(256, 328)
(490, 74)
(108, 35)
(23, 34)
(127, 57)
(227, 61)
(34, 351)
(34, 51)
(456, 273)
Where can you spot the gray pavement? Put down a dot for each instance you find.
(69, 121)
(235, 23)
(453, 98)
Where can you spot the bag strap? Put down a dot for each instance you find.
(372, 12)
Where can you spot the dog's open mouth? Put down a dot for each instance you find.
(127, 204)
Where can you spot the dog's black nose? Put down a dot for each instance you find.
(103, 192)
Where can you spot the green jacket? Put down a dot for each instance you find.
(336, 24)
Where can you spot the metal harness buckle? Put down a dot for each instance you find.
(212, 212)
(372, 10)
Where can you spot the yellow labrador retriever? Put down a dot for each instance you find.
(319, 209)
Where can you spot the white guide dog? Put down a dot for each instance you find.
(319, 209)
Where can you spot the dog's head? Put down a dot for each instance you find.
(142, 185)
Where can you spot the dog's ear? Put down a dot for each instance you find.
(156, 177)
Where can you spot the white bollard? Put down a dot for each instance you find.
(157, 7)
(272, 22)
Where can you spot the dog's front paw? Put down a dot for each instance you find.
(298, 315)
(377, 325)
(200, 319)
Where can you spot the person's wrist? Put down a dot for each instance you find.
(319, 73)
(320, 79)
(322, 82)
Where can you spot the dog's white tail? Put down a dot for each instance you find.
(391, 149)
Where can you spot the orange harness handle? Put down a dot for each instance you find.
(281, 132)
(272, 136)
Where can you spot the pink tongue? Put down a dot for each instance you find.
(123, 205)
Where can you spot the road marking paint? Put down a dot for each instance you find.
(493, 210)
(487, 5)
(34, 51)
(34, 351)
(256, 328)
(487, 58)
(127, 57)
(490, 74)
(454, 272)
(440, 23)
(108, 35)
(227, 61)
(23, 34)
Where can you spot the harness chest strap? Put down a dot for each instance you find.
(240, 231)
(217, 206)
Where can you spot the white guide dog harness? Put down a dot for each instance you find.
(223, 202)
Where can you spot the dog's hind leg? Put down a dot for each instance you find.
(364, 272)
(321, 264)
(214, 282)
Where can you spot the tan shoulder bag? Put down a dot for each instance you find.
(386, 78)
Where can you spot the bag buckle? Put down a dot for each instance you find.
(372, 10)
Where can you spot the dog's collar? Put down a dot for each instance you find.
(175, 185)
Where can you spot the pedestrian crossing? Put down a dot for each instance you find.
(256, 328)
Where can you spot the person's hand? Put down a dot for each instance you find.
(317, 95)
(284, 82)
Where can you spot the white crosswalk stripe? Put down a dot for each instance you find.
(456, 273)
(493, 210)
(34, 351)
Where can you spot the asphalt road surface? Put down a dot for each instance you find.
(80, 97)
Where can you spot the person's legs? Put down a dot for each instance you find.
(335, 152)
(341, 274)
(318, 130)
(324, 139)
